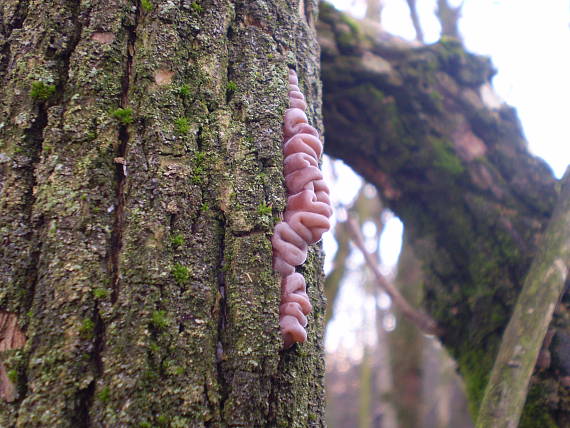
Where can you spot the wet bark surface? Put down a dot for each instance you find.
(418, 122)
(140, 144)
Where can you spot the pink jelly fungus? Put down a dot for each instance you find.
(306, 217)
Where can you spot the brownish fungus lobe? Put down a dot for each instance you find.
(306, 216)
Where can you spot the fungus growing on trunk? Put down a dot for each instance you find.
(306, 216)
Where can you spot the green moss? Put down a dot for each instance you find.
(13, 375)
(162, 420)
(436, 96)
(437, 100)
(205, 207)
(176, 370)
(154, 347)
(100, 293)
(198, 172)
(348, 41)
(150, 376)
(147, 5)
(177, 240)
(182, 125)
(475, 366)
(42, 92)
(87, 329)
(535, 412)
(350, 22)
(231, 87)
(197, 7)
(451, 44)
(104, 395)
(145, 425)
(159, 320)
(180, 273)
(498, 316)
(327, 12)
(445, 159)
(345, 40)
(184, 90)
(199, 158)
(264, 209)
(123, 115)
(52, 228)
(180, 422)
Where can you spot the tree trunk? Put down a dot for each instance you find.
(417, 122)
(139, 142)
(406, 342)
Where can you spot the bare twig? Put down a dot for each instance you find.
(416, 20)
(506, 391)
(423, 321)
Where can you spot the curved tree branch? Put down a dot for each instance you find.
(508, 384)
(421, 124)
(422, 321)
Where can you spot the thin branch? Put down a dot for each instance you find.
(544, 285)
(423, 321)
(416, 20)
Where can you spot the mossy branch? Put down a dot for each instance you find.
(506, 391)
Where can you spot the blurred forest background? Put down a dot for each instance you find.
(382, 371)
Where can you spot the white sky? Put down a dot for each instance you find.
(529, 44)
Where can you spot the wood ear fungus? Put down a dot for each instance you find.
(306, 217)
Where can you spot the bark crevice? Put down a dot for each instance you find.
(34, 139)
(67, 53)
(120, 160)
(220, 308)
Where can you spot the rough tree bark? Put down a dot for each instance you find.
(418, 122)
(140, 146)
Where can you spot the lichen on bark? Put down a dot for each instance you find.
(137, 259)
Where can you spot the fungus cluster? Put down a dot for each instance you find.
(306, 217)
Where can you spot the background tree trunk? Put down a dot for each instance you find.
(139, 140)
(451, 162)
